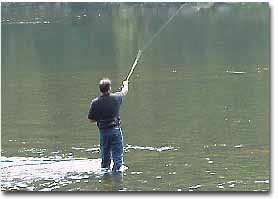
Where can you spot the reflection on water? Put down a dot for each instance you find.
(54, 172)
(45, 173)
(81, 174)
(112, 182)
(71, 174)
(196, 117)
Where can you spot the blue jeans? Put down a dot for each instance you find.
(111, 146)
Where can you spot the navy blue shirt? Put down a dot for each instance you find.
(105, 110)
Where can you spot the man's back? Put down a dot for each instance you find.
(105, 110)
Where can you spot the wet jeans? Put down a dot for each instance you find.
(111, 146)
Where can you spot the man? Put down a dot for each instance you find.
(104, 110)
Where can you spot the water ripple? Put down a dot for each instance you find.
(22, 172)
(128, 147)
(150, 148)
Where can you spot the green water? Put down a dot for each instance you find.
(183, 96)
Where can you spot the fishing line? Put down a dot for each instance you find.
(161, 28)
(151, 40)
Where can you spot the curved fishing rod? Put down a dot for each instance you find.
(150, 41)
(134, 65)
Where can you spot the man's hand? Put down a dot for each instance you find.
(125, 87)
(125, 82)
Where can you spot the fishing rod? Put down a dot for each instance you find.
(134, 65)
(150, 41)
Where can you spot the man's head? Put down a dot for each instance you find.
(105, 86)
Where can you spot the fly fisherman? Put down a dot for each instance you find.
(104, 110)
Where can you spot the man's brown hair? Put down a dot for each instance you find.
(104, 85)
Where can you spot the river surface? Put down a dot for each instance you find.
(196, 117)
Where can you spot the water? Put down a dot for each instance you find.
(196, 117)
